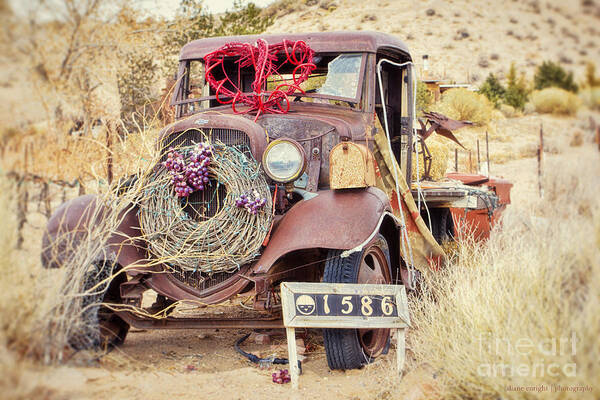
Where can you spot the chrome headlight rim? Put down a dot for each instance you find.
(302, 156)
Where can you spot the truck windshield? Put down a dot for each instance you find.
(338, 80)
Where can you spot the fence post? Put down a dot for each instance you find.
(540, 159)
(46, 196)
(478, 157)
(22, 200)
(487, 152)
(455, 160)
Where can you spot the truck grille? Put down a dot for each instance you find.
(202, 205)
(198, 280)
(229, 137)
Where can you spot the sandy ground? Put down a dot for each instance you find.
(201, 364)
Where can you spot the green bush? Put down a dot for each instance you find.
(493, 90)
(516, 89)
(550, 74)
(424, 97)
(194, 21)
(555, 101)
(590, 75)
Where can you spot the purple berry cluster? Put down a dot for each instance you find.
(187, 177)
(281, 376)
(251, 202)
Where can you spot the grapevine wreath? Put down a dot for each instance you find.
(223, 242)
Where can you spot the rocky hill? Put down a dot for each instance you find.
(465, 39)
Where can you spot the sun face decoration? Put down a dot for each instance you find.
(305, 304)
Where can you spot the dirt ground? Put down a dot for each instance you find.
(204, 364)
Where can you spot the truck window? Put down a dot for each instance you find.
(338, 79)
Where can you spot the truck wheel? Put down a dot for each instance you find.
(102, 327)
(353, 348)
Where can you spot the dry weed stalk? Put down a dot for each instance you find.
(524, 305)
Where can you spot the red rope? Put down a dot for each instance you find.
(263, 58)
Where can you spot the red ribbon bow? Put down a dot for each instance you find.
(265, 61)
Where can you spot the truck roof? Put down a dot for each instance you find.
(320, 42)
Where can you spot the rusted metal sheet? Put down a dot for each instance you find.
(320, 42)
(69, 224)
(164, 283)
(443, 126)
(201, 323)
(332, 220)
(213, 119)
(500, 186)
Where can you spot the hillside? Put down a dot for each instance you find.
(465, 39)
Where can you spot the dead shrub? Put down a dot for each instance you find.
(536, 281)
(555, 101)
(508, 111)
(19, 307)
(463, 104)
(591, 97)
(576, 139)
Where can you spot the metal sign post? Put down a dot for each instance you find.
(343, 306)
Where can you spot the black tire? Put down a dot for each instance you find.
(102, 328)
(347, 348)
(443, 227)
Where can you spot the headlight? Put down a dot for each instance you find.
(284, 160)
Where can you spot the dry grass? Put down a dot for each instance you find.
(591, 97)
(440, 151)
(555, 101)
(463, 104)
(18, 310)
(46, 151)
(490, 319)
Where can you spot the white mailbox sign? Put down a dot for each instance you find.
(343, 306)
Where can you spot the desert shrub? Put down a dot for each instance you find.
(590, 75)
(196, 22)
(516, 89)
(439, 148)
(524, 301)
(463, 104)
(17, 308)
(424, 97)
(591, 97)
(493, 90)
(550, 74)
(508, 111)
(243, 19)
(284, 7)
(555, 101)
(135, 85)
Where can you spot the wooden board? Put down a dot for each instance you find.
(343, 305)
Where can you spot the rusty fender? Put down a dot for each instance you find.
(335, 219)
(69, 224)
